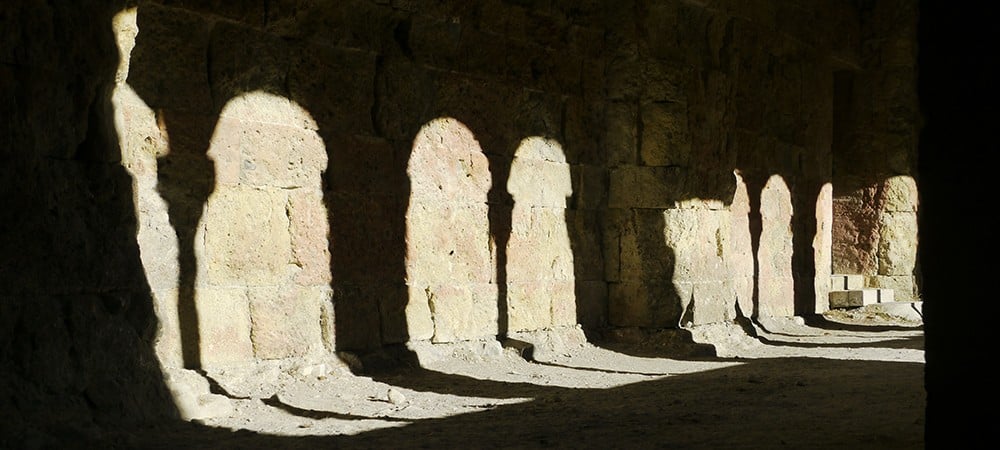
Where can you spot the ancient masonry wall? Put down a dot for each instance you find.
(344, 177)
(76, 317)
(875, 193)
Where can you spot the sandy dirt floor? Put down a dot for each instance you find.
(849, 379)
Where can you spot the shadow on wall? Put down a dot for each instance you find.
(227, 177)
(387, 279)
(76, 314)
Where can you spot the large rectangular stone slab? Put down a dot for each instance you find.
(853, 298)
(846, 282)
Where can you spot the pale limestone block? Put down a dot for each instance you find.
(447, 165)
(448, 243)
(541, 305)
(419, 322)
(900, 194)
(246, 238)
(539, 247)
(564, 302)
(823, 249)
(281, 156)
(743, 290)
(309, 226)
(261, 107)
(897, 247)
(286, 320)
(528, 308)
(224, 326)
(665, 139)
(539, 183)
(698, 239)
(904, 287)
(139, 135)
(774, 256)
(738, 254)
(847, 282)
(224, 150)
(776, 297)
(714, 302)
(158, 247)
(463, 312)
(167, 342)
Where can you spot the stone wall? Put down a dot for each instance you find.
(76, 314)
(875, 201)
(313, 178)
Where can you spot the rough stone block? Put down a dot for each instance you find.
(643, 254)
(448, 243)
(419, 321)
(644, 304)
(646, 187)
(621, 137)
(713, 302)
(368, 237)
(698, 238)
(167, 69)
(591, 303)
(539, 247)
(853, 298)
(393, 305)
(847, 282)
(776, 296)
(336, 86)
(447, 165)
(286, 321)
(897, 249)
(904, 287)
(357, 317)
(541, 304)
(364, 164)
(247, 240)
(463, 312)
(665, 139)
(539, 182)
(281, 156)
(310, 233)
(224, 326)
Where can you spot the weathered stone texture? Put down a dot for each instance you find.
(774, 253)
(396, 153)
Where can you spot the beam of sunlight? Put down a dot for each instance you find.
(823, 248)
(449, 256)
(774, 256)
(540, 277)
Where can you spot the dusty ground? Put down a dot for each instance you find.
(849, 379)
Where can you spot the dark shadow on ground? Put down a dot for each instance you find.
(774, 403)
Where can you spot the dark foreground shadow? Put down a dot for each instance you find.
(775, 403)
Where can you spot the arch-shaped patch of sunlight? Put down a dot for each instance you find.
(739, 254)
(540, 278)
(898, 238)
(262, 245)
(449, 262)
(774, 255)
(142, 139)
(823, 248)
